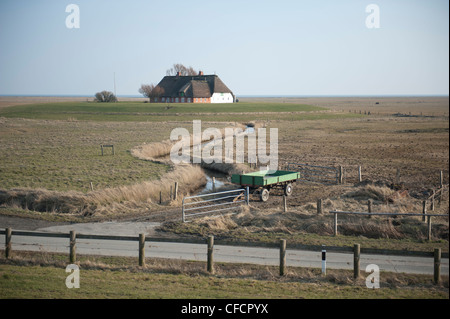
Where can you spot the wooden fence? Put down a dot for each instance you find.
(423, 215)
(141, 239)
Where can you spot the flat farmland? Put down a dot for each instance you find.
(52, 146)
(66, 155)
(57, 145)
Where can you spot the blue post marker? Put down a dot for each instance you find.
(324, 260)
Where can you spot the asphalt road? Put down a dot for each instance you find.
(234, 254)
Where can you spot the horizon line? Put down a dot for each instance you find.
(241, 96)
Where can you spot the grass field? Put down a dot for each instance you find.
(56, 147)
(160, 108)
(159, 112)
(64, 155)
(112, 277)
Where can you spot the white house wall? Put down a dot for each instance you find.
(222, 98)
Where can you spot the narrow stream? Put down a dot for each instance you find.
(219, 178)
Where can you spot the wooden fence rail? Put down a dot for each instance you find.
(141, 239)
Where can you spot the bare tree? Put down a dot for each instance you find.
(105, 96)
(146, 90)
(150, 91)
(178, 67)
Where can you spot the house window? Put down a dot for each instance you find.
(189, 100)
(176, 100)
(163, 99)
(182, 100)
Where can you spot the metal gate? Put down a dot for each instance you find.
(213, 202)
(316, 174)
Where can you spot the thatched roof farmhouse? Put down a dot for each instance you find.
(193, 89)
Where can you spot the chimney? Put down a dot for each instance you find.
(200, 73)
(178, 73)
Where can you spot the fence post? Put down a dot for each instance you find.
(369, 207)
(441, 179)
(175, 191)
(356, 260)
(359, 174)
(73, 247)
(8, 245)
(424, 209)
(247, 195)
(341, 174)
(319, 206)
(142, 250)
(437, 265)
(282, 257)
(429, 228)
(284, 204)
(182, 212)
(432, 199)
(210, 266)
(335, 224)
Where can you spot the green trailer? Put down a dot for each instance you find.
(260, 183)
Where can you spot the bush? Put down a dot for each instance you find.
(105, 96)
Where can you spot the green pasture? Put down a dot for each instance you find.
(159, 112)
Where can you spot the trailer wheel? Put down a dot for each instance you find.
(264, 195)
(288, 189)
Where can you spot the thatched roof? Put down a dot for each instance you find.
(192, 86)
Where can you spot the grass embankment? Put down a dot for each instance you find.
(159, 112)
(114, 277)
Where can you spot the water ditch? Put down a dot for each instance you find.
(215, 180)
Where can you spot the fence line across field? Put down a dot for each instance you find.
(424, 214)
(213, 202)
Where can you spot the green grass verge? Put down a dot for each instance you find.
(44, 276)
(157, 112)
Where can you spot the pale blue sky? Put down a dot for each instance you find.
(257, 47)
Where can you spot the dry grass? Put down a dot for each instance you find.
(304, 218)
(159, 152)
(108, 201)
